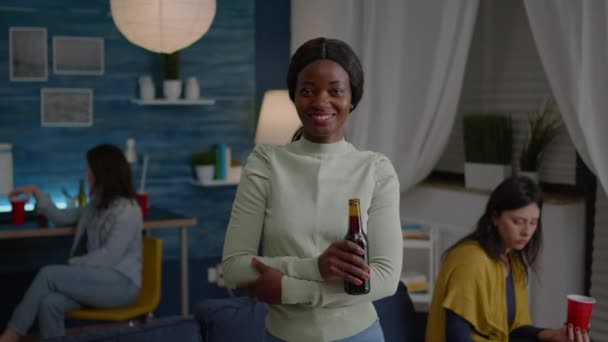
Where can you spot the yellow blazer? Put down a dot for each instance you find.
(473, 285)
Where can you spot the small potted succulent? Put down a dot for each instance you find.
(203, 165)
(543, 126)
(488, 141)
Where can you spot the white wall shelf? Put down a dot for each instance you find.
(421, 298)
(413, 243)
(419, 258)
(214, 182)
(178, 102)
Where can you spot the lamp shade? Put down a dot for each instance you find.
(278, 119)
(163, 26)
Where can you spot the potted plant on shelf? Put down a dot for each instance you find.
(543, 126)
(203, 165)
(488, 141)
(172, 86)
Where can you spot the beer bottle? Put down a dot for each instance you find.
(82, 196)
(355, 234)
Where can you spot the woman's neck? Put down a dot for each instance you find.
(504, 258)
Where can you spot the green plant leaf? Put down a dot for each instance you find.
(488, 138)
(544, 125)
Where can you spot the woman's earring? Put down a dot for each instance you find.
(352, 107)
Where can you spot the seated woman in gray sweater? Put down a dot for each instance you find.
(104, 269)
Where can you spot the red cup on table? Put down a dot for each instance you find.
(142, 200)
(18, 210)
(579, 311)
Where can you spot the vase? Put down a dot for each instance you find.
(192, 89)
(146, 88)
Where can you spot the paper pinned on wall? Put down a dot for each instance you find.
(67, 107)
(6, 168)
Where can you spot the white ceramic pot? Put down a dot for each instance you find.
(204, 173)
(485, 176)
(172, 89)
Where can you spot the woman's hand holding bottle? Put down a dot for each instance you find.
(342, 260)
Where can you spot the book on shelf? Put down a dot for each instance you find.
(415, 282)
(418, 287)
(414, 232)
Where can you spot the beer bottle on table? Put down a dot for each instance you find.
(82, 196)
(355, 234)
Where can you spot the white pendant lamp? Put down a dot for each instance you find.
(163, 26)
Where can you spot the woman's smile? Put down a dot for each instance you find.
(320, 118)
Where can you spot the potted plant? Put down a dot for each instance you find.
(172, 86)
(543, 126)
(488, 141)
(203, 165)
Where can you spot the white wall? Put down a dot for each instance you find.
(560, 264)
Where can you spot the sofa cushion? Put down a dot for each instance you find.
(231, 319)
(158, 330)
(397, 316)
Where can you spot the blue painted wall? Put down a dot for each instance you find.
(230, 67)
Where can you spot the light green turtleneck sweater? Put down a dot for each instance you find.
(294, 198)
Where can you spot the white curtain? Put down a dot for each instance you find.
(414, 55)
(571, 37)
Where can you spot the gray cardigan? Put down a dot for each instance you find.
(114, 236)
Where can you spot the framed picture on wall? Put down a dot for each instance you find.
(78, 55)
(27, 54)
(66, 107)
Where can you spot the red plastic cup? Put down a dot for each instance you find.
(579, 311)
(18, 210)
(142, 200)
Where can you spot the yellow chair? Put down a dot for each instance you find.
(149, 294)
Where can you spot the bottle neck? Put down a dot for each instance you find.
(354, 225)
(354, 218)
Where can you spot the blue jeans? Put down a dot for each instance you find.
(371, 334)
(61, 288)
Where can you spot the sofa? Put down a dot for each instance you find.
(241, 319)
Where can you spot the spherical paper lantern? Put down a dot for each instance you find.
(163, 25)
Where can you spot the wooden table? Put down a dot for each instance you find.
(158, 218)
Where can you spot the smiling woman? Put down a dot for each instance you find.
(293, 199)
(325, 81)
(323, 100)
